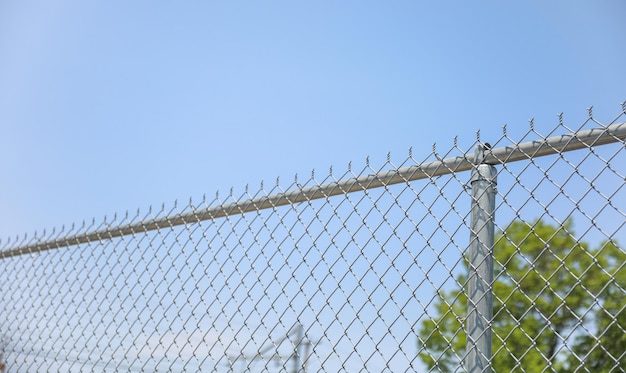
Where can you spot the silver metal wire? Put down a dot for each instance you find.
(358, 271)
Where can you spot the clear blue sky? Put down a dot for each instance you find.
(113, 105)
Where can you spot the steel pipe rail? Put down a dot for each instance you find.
(507, 154)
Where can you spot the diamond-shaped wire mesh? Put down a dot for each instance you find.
(560, 275)
(356, 279)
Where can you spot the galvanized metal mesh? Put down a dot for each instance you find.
(359, 271)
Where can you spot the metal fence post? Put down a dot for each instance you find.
(480, 277)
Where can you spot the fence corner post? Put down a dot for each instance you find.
(477, 358)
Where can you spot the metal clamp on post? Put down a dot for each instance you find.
(483, 171)
(480, 276)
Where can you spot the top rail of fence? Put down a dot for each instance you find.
(506, 154)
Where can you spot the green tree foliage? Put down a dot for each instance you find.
(558, 305)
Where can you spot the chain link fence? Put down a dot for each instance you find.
(390, 268)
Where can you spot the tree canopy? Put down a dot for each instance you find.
(558, 305)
